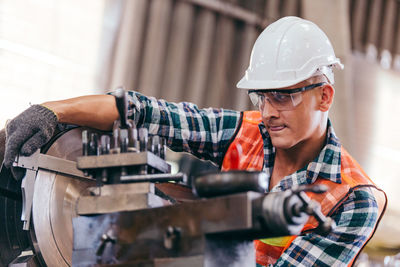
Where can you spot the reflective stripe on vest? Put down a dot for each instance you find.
(252, 158)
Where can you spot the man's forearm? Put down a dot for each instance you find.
(96, 111)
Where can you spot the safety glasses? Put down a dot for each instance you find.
(280, 99)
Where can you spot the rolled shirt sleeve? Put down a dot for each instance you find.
(204, 133)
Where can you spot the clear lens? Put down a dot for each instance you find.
(254, 98)
(280, 101)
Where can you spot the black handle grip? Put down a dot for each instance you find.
(122, 106)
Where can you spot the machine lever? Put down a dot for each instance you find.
(122, 106)
(311, 207)
(105, 239)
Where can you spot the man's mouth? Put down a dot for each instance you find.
(276, 128)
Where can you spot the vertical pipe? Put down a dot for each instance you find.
(155, 47)
(245, 43)
(290, 8)
(272, 9)
(178, 52)
(129, 47)
(358, 24)
(396, 60)
(217, 91)
(387, 40)
(374, 27)
(200, 57)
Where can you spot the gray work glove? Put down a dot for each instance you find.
(26, 133)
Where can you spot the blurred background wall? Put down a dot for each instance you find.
(196, 50)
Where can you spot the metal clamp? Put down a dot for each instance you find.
(32, 164)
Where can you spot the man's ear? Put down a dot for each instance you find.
(326, 100)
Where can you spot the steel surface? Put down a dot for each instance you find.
(223, 183)
(123, 159)
(56, 196)
(54, 204)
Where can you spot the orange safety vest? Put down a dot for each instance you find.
(249, 138)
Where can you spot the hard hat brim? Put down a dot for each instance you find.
(248, 84)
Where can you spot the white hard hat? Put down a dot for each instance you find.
(287, 52)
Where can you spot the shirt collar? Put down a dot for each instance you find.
(326, 165)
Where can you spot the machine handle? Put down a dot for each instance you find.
(311, 207)
(122, 105)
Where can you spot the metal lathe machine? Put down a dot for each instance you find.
(92, 198)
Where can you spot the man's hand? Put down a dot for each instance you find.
(28, 132)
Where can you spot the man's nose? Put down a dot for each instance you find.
(269, 111)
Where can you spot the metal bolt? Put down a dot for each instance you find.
(105, 144)
(143, 138)
(172, 237)
(133, 140)
(85, 143)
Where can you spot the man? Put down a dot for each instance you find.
(290, 138)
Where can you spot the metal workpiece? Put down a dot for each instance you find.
(223, 183)
(108, 190)
(123, 159)
(118, 197)
(161, 177)
(90, 205)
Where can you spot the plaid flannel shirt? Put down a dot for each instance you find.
(206, 133)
